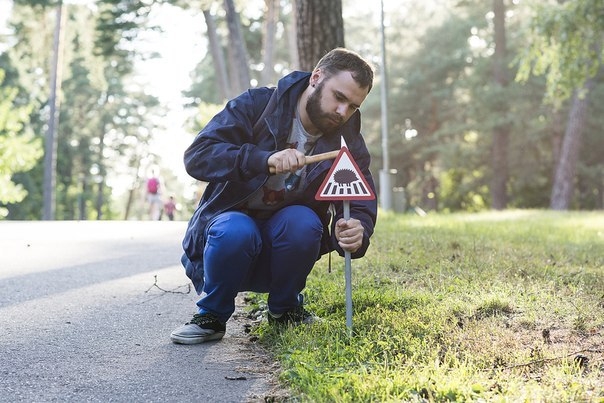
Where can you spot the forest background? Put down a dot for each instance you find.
(490, 104)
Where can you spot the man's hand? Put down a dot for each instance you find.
(349, 234)
(288, 160)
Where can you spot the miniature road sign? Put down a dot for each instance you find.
(345, 182)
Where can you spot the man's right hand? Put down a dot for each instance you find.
(288, 160)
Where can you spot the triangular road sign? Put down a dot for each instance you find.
(345, 181)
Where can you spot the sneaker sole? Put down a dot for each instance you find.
(196, 339)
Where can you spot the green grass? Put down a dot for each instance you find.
(491, 307)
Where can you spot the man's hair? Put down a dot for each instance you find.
(340, 59)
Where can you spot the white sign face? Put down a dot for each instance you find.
(344, 181)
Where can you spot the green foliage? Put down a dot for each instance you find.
(462, 307)
(19, 150)
(566, 44)
(440, 84)
(204, 88)
(118, 24)
(105, 121)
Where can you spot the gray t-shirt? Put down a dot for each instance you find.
(283, 189)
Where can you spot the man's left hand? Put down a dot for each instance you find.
(349, 234)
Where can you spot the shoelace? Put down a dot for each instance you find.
(202, 319)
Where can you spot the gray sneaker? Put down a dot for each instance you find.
(203, 327)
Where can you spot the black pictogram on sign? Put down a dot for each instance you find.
(344, 181)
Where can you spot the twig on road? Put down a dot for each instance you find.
(169, 291)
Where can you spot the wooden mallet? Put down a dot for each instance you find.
(315, 158)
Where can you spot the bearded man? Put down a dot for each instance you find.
(258, 226)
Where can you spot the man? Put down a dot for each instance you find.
(258, 226)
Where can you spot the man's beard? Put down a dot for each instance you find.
(326, 122)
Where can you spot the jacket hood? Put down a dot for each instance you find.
(293, 79)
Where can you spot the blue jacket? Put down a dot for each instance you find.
(232, 158)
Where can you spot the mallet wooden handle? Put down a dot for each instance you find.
(315, 158)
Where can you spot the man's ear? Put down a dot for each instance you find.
(315, 77)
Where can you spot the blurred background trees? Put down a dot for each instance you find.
(491, 104)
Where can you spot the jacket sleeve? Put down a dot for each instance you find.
(225, 149)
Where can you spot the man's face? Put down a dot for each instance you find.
(334, 100)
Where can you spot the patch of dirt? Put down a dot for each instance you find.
(515, 346)
(257, 361)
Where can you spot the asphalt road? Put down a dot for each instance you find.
(86, 310)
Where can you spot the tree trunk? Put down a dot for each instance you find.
(501, 133)
(50, 147)
(564, 180)
(218, 57)
(292, 38)
(320, 29)
(231, 61)
(557, 134)
(240, 59)
(102, 176)
(268, 48)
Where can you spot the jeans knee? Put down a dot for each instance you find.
(233, 231)
(299, 224)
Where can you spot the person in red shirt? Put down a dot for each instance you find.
(170, 208)
(154, 197)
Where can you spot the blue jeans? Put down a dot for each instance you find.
(273, 256)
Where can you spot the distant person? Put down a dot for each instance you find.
(154, 197)
(250, 234)
(170, 208)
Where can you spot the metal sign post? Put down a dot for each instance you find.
(348, 275)
(345, 182)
